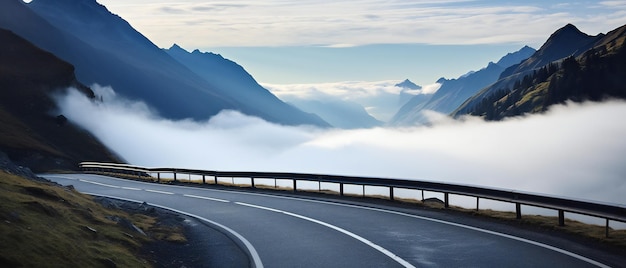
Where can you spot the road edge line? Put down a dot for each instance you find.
(242, 242)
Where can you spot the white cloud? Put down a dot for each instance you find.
(195, 23)
(575, 150)
(382, 99)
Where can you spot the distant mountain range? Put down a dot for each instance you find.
(105, 49)
(571, 65)
(453, 92)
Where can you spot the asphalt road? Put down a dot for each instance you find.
(292, 231)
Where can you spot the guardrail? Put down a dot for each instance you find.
(605, 211)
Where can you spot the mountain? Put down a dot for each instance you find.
(453, 92)
(565, 42)
(338, 113)
(409, 90)
(594, 72)
(132, 77)
(105, 49)
(223, 73)
(407, 84)
(31, 133)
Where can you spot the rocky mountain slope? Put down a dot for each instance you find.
(32, 134)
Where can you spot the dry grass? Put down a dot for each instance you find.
(47, 225)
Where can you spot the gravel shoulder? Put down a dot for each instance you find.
(204, 246)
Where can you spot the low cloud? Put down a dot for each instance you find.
(381, 99)
(573, 150)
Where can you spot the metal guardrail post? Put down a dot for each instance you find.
(341, 189)
(391, 197)
(477, 200)
(446, 200)
(561, 218)
(252, 182)
(295, 185)
(518, 211)
(203, 179)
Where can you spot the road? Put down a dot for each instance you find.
(292, 231)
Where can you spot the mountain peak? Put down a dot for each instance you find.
(564, 42)
(568, 31)
(516, 57)
(408, 84)
(176, 47)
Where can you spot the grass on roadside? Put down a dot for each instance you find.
(42, 224)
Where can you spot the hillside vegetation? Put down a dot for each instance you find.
(596, 75)
(46, 225)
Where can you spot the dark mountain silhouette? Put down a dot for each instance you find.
(149, 81)
(592, 72)
(223, 73)
(31, 133)
(105, 49)
(453, 92)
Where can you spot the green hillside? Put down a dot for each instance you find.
(598, 74)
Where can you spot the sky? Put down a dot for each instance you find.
(321, 41)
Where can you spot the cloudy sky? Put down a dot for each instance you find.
(312, 41)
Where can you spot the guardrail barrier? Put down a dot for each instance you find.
(609, 212)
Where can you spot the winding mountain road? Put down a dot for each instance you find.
(298, 231)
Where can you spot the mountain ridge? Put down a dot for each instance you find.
(591, 72)
(453, 92)
(220, 72)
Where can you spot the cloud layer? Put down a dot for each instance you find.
(196, 23)
(573, 150)
(381, 99)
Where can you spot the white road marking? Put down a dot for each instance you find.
(158, 192)
(254, 255)
(101, 184)
(539, 244)
(339, 229)
(206, 198)
(131, 188)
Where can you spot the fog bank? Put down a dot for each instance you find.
(574, 150)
